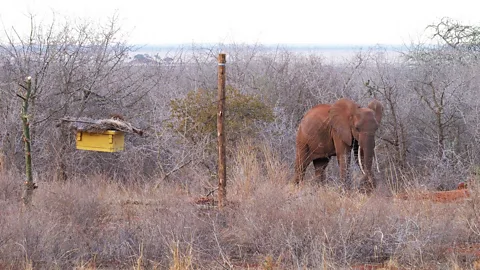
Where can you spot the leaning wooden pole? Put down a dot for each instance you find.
(222, 170)
(29, 184)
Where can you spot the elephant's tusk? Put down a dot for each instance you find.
(360, 160)
(376, 160)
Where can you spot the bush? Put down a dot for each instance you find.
(195, 115)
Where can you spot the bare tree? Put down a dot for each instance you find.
(77, 69)
(386, 83)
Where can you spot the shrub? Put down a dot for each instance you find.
(195, 115)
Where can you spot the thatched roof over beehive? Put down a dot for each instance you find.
(100, 125)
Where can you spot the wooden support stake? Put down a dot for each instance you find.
(222, 170)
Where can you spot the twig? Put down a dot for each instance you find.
(211, 192)
(172, 171)
(79, 121)
(20, 96)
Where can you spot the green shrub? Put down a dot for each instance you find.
(195, 115)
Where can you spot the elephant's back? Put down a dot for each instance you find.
(314, 132)
(316, 115)
(314, 120)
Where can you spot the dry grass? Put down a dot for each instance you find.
(96, 223)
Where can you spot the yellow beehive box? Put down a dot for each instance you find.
(108, 141)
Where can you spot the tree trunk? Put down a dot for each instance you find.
(29, 184)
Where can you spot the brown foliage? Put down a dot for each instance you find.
(97, 221)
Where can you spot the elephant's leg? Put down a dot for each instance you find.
(301, 162)
(344, 166)
(320, 165)
(355, 151)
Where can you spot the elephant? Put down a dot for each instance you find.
(328, 130)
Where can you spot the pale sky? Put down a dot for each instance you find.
(332, 22)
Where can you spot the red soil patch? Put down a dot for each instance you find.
(210, 201)
(438, 196)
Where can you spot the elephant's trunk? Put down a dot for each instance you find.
(367, 146)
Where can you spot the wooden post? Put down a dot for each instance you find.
(29, 184)
(222, 170)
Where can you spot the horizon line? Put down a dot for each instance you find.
(276, 45)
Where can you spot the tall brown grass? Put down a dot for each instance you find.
(97, 223)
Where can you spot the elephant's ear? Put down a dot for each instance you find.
(340, 117)
(377, 107)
